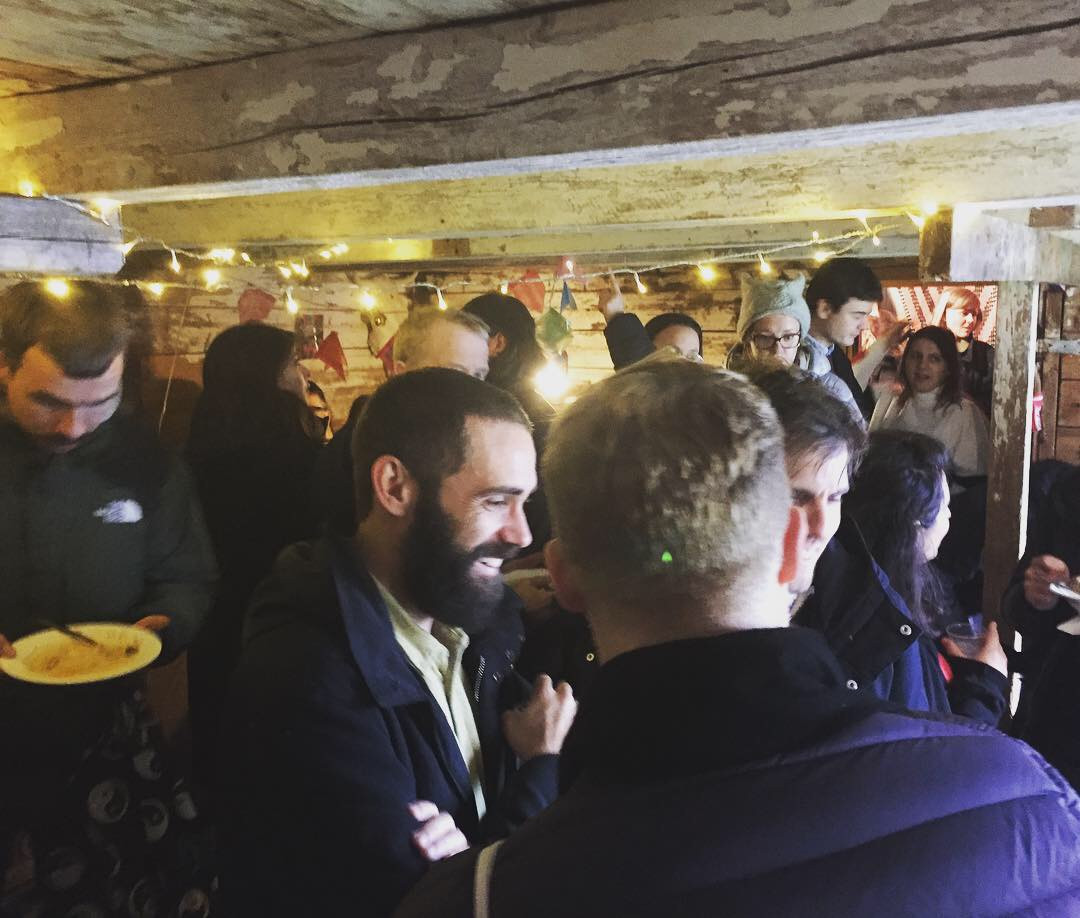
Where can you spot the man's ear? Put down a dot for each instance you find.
(794, 536)
(396, 368)
(393, 487)
(822, 309)
(563, 578)
(497, 344)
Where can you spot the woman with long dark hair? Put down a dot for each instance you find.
(252, 449)
(931, 401)
(515, 357)
(899, 502)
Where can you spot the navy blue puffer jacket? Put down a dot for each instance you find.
(737, 775)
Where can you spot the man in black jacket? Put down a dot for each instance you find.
(97, 523)
(720, 765)
(842, 294)
(376, 723)
(1048, 717)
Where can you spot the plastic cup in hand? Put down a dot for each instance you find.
(968, 636)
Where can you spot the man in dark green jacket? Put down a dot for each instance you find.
(97, 523)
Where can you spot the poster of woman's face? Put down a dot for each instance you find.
(969, 311)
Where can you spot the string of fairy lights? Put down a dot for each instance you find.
(552, 382)
(298, 269)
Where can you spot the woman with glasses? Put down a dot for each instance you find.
(774, 318)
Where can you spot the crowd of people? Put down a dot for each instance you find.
(682, 647)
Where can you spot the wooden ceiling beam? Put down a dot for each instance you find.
(50, 237)
(1032, 164)
(575, 82)
(998, 246)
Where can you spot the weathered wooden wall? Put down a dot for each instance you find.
(623, 74)
(184, 321)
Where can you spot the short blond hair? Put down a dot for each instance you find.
(412, 334)
(668, 479)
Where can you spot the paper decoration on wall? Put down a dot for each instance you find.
(553, 331)
(254, 305)
(386, 357)
(567, 303)
(309, 336)
(332, 354)
(530, 290)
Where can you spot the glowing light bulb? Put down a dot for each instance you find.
(155, 288)
(285, 270)
(815, 236)
(245, 258)
(174, 262)
(27, 188)
(822, 256)
(212, 276)
(367, 300)
(105, 207)
(641, 288)
(442, 302)
(299, 269)
(569, 264)
(929, 208)
(707, 273)
(339, 248)
(876, 240)
(326, 254)
(763, 265)
(290, 304)
(504, 287)
(222, 255)
(58, 287)
(552, 381)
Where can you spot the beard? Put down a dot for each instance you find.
(438, 571)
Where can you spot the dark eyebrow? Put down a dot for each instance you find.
(47, 398)
(501, 492)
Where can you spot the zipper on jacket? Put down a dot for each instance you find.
(479, 678)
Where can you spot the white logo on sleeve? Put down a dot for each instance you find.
(120, 511)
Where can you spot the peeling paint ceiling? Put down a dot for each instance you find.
(72, 42)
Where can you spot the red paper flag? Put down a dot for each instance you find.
(254, 305)
(333, 355)
(530, 290)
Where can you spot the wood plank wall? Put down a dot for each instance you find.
(185, 320)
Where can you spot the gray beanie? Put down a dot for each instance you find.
(768, 297)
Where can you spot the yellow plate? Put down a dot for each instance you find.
(52, 658)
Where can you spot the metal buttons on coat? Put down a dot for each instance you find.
(905, 630)
(852, 684)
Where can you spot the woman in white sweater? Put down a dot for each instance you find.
(930, 401)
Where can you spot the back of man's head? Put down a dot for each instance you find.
(419, 417)
(83, 329)
(816, 423)
(667, 489)
(426, 339)
(843, 279)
